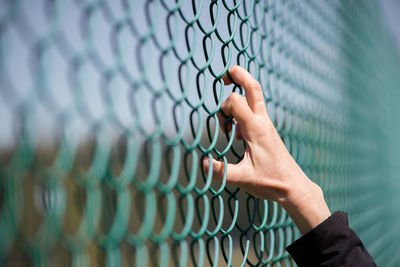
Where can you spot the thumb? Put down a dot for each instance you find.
(233, 171)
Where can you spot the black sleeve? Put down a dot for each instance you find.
(331, 243)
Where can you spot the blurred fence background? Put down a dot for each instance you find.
(108, 107)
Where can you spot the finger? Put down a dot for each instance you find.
(237, 106)
(254, 95)
(227, 80)
(238, 134)
(233, 171)
(222, 122)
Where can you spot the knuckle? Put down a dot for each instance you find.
(234, 97)
(234, 69)
(260, 105)
(255, 85)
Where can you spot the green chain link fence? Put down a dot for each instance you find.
(108, 107)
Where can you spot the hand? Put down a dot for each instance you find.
(267, 170)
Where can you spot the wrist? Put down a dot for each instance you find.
(307, 209)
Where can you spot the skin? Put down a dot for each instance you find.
(267, 170)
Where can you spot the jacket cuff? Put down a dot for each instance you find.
(306, 251)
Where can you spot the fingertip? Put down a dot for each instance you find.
(221, 121)
(215, 164)
(238, 134)
(226, 79)
(206, 163)
(227, 128)
(218, 171)
(217, 167)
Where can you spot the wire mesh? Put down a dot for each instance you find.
(108, 107)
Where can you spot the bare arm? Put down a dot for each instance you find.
(267, 170)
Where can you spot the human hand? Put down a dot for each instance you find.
(267, 170)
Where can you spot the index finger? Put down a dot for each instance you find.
(254, 95)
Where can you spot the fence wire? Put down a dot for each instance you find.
(108, 107)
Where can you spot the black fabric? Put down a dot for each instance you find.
(331, 244)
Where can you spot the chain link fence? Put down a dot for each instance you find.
(108, 107)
